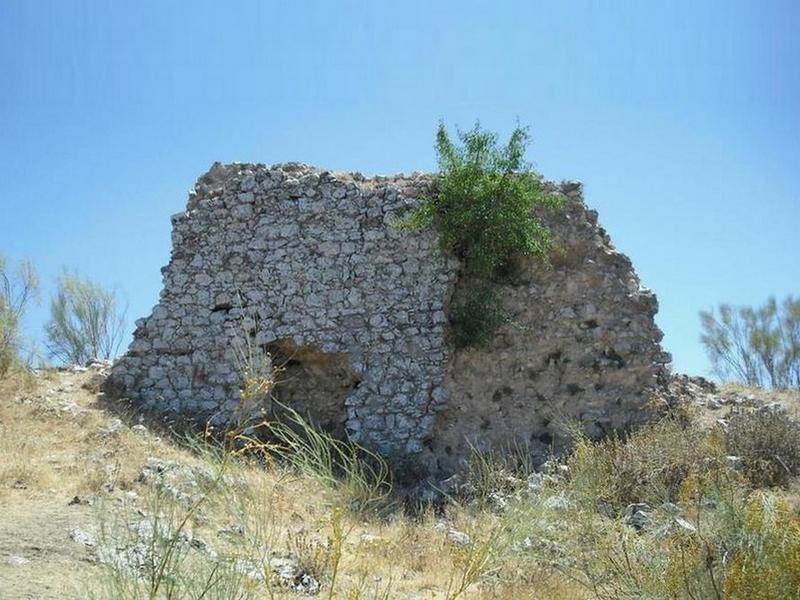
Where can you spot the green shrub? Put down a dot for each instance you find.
(85, 322)
(768, 442)
(649, 466)
(475, 317)
(755, 346)
(16, 290)
(766, 565)
(485, 212)
(715, 538)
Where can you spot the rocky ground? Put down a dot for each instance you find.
(711, 403)
(91, 498)
(86, 491)
(76, 484)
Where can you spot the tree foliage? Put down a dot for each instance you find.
(485, 200)
(756, 346)
(17, 288)
(484, 210)
(85, 322)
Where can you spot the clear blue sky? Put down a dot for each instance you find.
(681, 118)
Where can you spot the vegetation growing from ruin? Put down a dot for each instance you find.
(484, 209)
(477, 316)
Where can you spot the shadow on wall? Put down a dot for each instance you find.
(313, 383)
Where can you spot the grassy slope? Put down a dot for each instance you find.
(55, 445)
(65, 465)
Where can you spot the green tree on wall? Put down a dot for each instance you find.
(484, 209)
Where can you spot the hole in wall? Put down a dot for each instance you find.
(573, 388)
(314, 383)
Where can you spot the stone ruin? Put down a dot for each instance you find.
(307, 266)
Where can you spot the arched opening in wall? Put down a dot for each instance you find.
(313, 383)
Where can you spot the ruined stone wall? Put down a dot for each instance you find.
(581, 348)
(306, 265)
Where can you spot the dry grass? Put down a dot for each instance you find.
(57, 443)
(54, 434)
(709, 534)
(768, 444)
(789, 399)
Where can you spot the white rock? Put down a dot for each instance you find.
(459, 537)
(82, 537)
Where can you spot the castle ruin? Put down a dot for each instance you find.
(307, 266)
